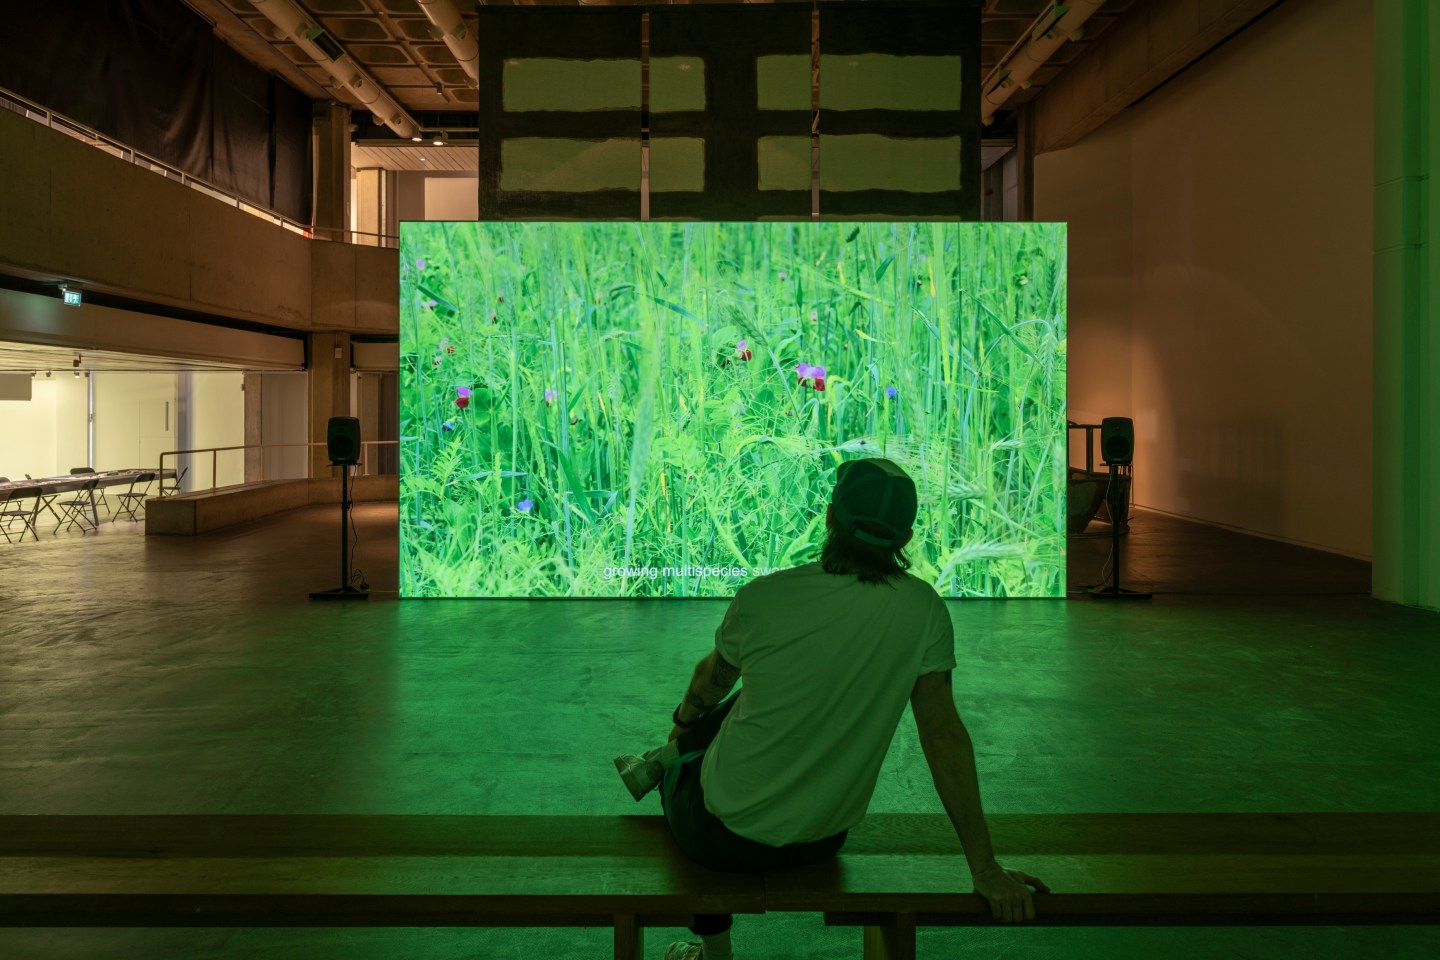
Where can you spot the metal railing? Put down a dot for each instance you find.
(365, 447)
(15, 103)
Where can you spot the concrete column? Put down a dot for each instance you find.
(1025, 162)
(254, 387)
(331, 131)
(329, 392)
(1407, 303)
(367, 408)
(375, 206)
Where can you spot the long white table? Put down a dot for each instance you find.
(52, 487)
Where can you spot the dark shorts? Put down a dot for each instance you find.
(705, 838)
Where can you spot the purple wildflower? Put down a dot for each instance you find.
(550, 396)
(525, 506)
(890, 393)
(419, 264)
(813, 375)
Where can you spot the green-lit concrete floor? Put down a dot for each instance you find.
(193, 676)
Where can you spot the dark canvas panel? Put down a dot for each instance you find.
(728, 40)
(733, 85)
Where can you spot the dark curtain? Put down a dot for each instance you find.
(150, 74)
(241, 159)
(291, 174)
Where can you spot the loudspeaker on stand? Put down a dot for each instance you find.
(342, 443)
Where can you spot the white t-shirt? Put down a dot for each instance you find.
(827, 664)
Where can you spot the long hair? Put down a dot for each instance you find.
(842, 553)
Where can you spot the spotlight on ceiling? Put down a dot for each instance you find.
(439, 140)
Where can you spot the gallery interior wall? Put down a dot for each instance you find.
(1407, 304)
(135, 419)
(47, 434)
(216, 419)
(1239, 194)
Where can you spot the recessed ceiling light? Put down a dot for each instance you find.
(423, 160)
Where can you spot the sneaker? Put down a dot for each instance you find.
(640, 778)
(685, 950)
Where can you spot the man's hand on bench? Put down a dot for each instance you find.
(1009, 897)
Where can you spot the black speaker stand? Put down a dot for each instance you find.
(345, 591)
(1114, 591)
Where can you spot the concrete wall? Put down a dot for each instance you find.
(72, 423)
(285, 418)
(48, 434)
(1089, 186)
(1222, 227)
(217, 419)
(452, 198)
(70, 211)
(354, 287)
(135, 419)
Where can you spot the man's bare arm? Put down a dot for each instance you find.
(711, 682)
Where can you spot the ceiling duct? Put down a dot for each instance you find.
(451, 28)
(1052, 28)
(301, 29)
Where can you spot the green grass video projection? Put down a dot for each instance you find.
(658, 409)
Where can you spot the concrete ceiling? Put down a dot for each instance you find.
(392, 40)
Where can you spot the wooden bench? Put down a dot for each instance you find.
(903, 871)
(896, 873)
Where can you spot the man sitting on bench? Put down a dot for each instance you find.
(830, 651)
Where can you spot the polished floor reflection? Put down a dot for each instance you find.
(192, 675)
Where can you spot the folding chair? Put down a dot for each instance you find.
(9, 500)
(166, 489)
(130, 500)
(102, 500)
(75, 511)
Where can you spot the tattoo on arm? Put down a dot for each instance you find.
(718, 680)
(722, 675)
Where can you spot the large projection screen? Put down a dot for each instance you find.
(631, 409)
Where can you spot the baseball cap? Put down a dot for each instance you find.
(877, 494)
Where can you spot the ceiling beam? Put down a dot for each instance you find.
(1144, 49)
(256, 49)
